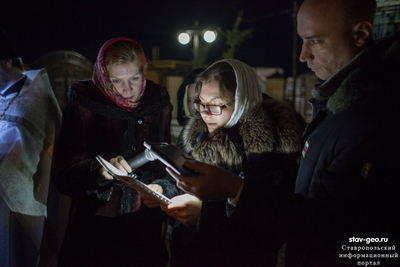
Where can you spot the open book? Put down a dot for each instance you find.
(132, 182)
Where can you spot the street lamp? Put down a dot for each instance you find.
(184, 37)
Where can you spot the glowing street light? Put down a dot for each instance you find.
(210, 36)
(184, 38)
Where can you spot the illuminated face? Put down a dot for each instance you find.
(209, 94)
(328, 41)
(127, 79)
(191, 96)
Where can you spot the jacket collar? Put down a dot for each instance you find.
(15, 87)
(358, 77)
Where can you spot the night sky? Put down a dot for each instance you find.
(39, 27)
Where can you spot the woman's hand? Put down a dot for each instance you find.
(210, 183)
(185, 208)
(118, 162)
(148, 201)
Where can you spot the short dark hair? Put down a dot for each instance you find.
(15, 62)
(224, 75)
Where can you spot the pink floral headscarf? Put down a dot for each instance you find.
(102, 81)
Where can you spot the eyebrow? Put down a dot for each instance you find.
(113, 77)
(212, 99)
(311, 37)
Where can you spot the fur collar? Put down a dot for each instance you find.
(368, 72)
(270, 127)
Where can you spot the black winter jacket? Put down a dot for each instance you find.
(348, 182)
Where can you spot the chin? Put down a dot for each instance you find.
(322, 75)
(132, 98)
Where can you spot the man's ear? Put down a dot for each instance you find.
(362, 32)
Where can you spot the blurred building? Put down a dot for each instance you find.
(387, 18)
(170, 74)
(304, 85)
(275, 86)
(64, 67)
(263, 74)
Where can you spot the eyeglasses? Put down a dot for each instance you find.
(215, 110)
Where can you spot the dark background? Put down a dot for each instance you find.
(39, 27)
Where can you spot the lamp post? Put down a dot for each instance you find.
(208, 35)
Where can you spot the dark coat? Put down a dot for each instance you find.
(268, 136)
(348, 182)
(108, 225)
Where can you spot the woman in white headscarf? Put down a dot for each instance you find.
(238, 128)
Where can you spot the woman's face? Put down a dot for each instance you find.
(209, 94)
(127, 79)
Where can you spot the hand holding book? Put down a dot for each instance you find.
(132, 182)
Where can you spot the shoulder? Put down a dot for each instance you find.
(373, 73)
(85, 96)
(272, 114)
(37, 79)
(154, 93)
(84, 87)
(273, 124)
(85, 91)
(192, 129)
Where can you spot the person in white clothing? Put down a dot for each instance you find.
(29, 121)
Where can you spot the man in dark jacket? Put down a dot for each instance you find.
(345, 210)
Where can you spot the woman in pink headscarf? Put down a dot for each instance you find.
(110, 115)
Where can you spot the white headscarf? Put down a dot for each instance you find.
(247, 93)
(188, 111)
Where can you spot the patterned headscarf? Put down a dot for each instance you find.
(248, 93)
(102, 81)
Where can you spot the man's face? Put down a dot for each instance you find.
(4, 76)
(328, 41)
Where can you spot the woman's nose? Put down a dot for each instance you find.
(127, 86)
(205, 112)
